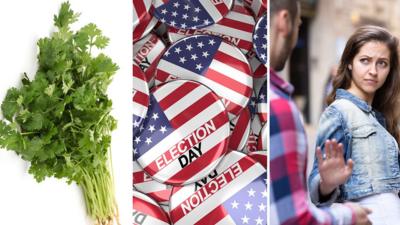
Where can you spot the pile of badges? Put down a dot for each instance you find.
(200, 112)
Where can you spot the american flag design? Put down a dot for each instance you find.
(240, 130)
(147, 185)
(252, 105)
(258, 68)
(140, 9)
(212, 62)
(258, 83)
(258, 7)
(234, 193)
(262, 138)
(261, 102)
(140, 98)
(143, 20)
(236, 28)
(252, 143)
(146, 211)
(146, 54)
(185, 134)
(260, 156)
(260, 38)
(189, 14)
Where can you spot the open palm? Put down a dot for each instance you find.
(332, 168)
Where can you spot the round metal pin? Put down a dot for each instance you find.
(212, 62)
(234, 193)
(236, 28)
(188, 14)
(185, 133)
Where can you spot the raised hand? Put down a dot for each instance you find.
(332, 167)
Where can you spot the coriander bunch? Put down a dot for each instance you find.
(60, 121)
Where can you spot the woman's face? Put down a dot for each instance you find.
(369, 70)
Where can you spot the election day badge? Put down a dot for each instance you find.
(185, 134)
(234, 193)
(214, 63)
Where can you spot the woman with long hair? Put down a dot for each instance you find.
(357, 158)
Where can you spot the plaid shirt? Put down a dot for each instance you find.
(290, 203)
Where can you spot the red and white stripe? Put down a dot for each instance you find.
(216, 8)
(140, 98)
(260, 156)
(229, 76)
(147, 185)
(210, 209)
(236, 28)
(241, 131)
(143, 20)
(188, 105)
(147, 211)
(140, 9)
(259, 7)
(146, 54)
(262, 111)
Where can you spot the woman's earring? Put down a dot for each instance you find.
(350, 67)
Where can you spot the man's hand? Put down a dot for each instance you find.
(361, 213)
(332, 168)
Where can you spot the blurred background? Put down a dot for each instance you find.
(326, 26)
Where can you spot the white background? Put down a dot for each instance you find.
(22, 23)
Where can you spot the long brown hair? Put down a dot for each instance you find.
(386, 97)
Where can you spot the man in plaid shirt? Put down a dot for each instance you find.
(288, 156)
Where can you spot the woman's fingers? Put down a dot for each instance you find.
(328, 146)
(350, 165)
(334, 150)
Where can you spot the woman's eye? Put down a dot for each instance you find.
(382, 64)
(364, 60)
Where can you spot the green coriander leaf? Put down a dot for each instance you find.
(65, 16)
(34, 123)
(9, 106)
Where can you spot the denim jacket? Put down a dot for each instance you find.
(362, 131)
